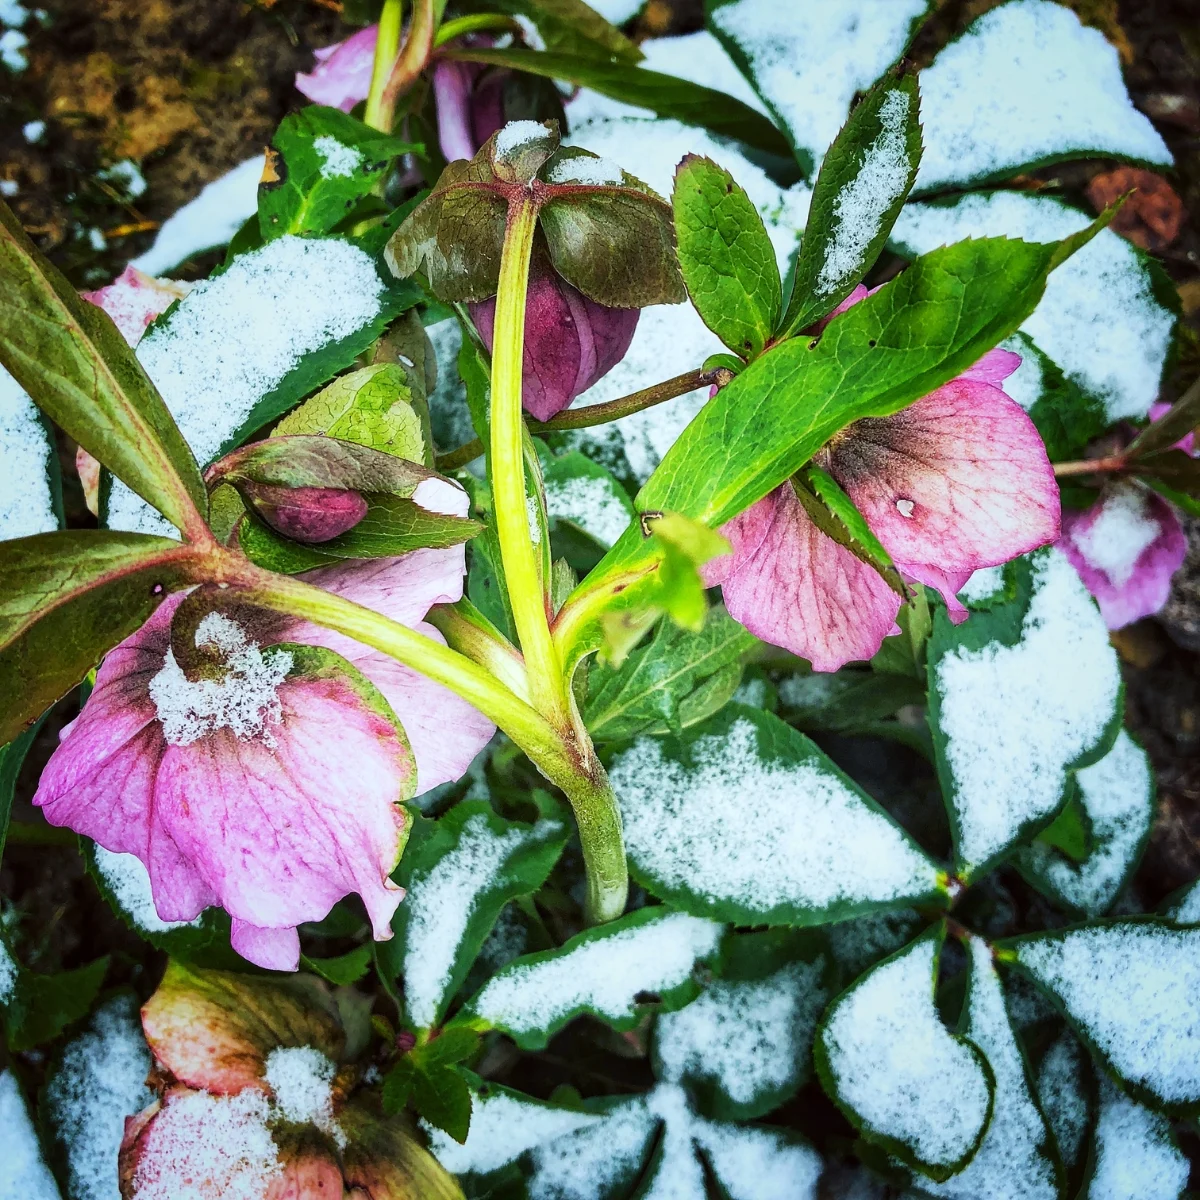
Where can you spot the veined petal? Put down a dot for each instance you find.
(948, 583)
(1126, 547)
(342, 76)
(274, 949)
(994, 367)
(959, 480)
(793, 586)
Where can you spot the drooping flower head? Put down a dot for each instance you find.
(342, 76)
(957, 481)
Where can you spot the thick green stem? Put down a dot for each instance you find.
(387, 46)
(599, 821)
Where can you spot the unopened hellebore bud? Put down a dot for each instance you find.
(306, 514)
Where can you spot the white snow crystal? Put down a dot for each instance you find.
(339, 161)
(1060, 1092)
(440, 904)
(805, 837)
(982, 585)
(1025, 384)
(1008, 1164)
(9, 188)
(1098, 320)
(209, 220)
(26, 501)
(1116, 795)
(516, 135)
(809, 58)
(302, 1079)
(604, 974)
(585, 1164)
(23, 1172)
(246, 700)
(861, 205)
(1149, 1025)
(596, 172)
(12, 50)
(8, 974)
(12, 14)
(100, 1081)
(234, 338)
(759, 1164)
(32, 131)
(1026, 83)
(894, 1063)
(1136, 1156)
(1015, 717)
(127, 176)
(590, 502)
(1187, 910)
(129, 882)
(1116, 539)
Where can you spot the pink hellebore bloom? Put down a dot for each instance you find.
(571, 342)
(957, 481)
(271, 791)
(470, 106)
(342, 76)
(1125, 547)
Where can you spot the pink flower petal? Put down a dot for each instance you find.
(994, 367)
(792, 586)
(1125, 548)
(1187, 443)
(452, 90)
(959, 480)
(133, 300)
(948, 583)
(275, 949)
(342, 76)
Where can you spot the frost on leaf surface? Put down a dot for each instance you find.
(1136, 1157)
(1018, 705)
(235, 338)
(28, 466)
(886, 1057)
(99, 1080)
(455, 893)
(1117, 794)
(1062, 1093)
(809, 58)
(23, 1172)
(1148, 1027)
(601, 971)
(1100, 319)
(1027, 83)
(801, 844)
(1013, 1161)
(1186, 910)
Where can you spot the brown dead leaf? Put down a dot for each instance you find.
(1152, 217)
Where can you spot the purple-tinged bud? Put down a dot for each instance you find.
(306, 514)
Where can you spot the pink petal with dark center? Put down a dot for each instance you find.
(793, 586)
(959, 480)
(1126, 547)
(342, 76)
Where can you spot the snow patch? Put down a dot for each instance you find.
(1117, 538)
(23, 1172)
(1136, 1156)
(590, 502)
(302, 1079)
(1061, 1094)
(26, 459)
(127, 879)
(338, 161)
(983, 585)
(595, 172)
(516, 135)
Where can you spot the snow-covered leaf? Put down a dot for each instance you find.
(585, 495)
(1134, 1154)
(459, 872)
(1185, 909)
(908, 1084)
(1018, 696)
(1131, 990)
(1117, 796)
(244, 346)
(35, 1008)
(744, 819)
(1027, 84)
(610, 972)
(23, 1171)
(1065, 1090)
(862, 941)
(809, 58)
(30, 486)
(1108, 314)
(1015, 1160)
(744, 1045)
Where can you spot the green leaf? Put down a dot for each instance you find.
(341, 971)
(611, 972)
(743, 819)
(443, 1097)
(12, 756)
(42, 1006)
(847, 700)
(584, 494)
(572, 27)
(323, 161)
(680, 678)
(1070, 832)
(459, 872)
(898, 1097)
(66, 598)
(727, 260)
(70, 358)
(769, 992)
(686, 546)
(864, 181)
(666, 95)
(1182, 418)
(1019, 696)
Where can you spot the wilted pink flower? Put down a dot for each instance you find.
(271, 790)
(133, 300)
(571, 342)
(957, 481)
(342, 76)
(1125, 547)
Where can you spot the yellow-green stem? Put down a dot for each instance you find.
(387, 46)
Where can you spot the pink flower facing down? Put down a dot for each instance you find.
(571, 342)
(470, 106)
(342, 76)
(957, 481)
(1125, 547)
(272, 790)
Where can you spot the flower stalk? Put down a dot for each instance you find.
(387, 46)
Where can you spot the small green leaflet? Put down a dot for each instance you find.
(428, 1075)
(37, 1008)
(320, 164)
(864, 181)
(676, 680)
(727, 260)
(341, 971)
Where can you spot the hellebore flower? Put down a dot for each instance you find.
(1125, 547)
(470, 106)
(571, 342)
(342, 76)
(269, 785)
(957, 481)
(258, 1101)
